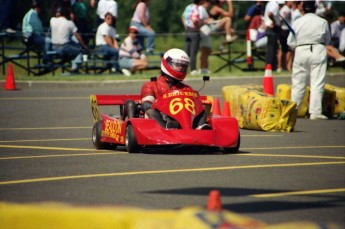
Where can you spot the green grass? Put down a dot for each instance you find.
(163, 43)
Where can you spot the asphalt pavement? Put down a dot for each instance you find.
(46, 154)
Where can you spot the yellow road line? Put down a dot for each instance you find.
(46, 148)
(291, 155)
(294, 193)
(49, 140)
(291, 147)
(49, 128)
(150, 172)
(43, 98)
(99, 152)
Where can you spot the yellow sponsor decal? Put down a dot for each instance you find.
(180, 93)
(113, 129)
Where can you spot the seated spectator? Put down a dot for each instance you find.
(106, 6)
(33, 30)
(106, 41)
(336, 29)
(141, 19)
(131, 58)
(257, 34)
(62, 29)
(223, 23)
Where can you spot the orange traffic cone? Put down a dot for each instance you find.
(214, 203)
(10, 83)
(268, 81)
(226, 109)
(216, 107)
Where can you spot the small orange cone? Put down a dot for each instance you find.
(268, 81)
(214, 203)
(216, 107)
(10, 83)
(226, 109)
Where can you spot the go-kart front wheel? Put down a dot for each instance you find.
(234, 149)
(132, 145)
(96, 136)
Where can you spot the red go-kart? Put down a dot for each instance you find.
(141, 134)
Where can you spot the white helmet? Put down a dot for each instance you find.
(175, 63)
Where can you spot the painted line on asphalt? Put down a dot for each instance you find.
(295, 193)
(152, 172)
(46, 148)
(48, 128)
(291, 147)
(101, 152)
(48, 140)
(44, 98)
(292, 155)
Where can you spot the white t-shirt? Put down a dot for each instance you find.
(285, 12)
(61, 30)
(272, 7)
(138, 9)
(104, 30)
(105, 6)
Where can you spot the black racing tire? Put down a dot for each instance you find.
(96, 136)
(234, 149)
(132, 145)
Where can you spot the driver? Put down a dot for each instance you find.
(174, 66)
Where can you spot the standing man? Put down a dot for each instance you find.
(272, 22)
(191, 22)
(311, 35)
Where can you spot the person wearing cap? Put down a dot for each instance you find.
(174, 66)
(273, 23)
(131, 58)
(311, 34)
(106, 41)
(32, 29)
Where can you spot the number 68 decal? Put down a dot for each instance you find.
(176, 105)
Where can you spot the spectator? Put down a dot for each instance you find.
(32, 29)
(192, 23)
(296, 11)
(141, 19)
(311, 35)
(8, 19)
(205, 36)
(106, 41)
(62, 29)
(323, 8)
(336, 29)
(105, 6)
(342, 41)
(223, 23)
(273, 23)
(285, 54)
(131, 58)
(61, 4)
(174, 66)
(257, 34)
(80, 11)
(256, 9)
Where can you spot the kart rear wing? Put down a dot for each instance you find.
(107, 100)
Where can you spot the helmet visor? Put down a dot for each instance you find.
(179, 65)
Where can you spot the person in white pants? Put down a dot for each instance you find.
(309, 38)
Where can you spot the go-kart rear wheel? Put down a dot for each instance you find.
(234, 149)
(132, 145)
(96, 136)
